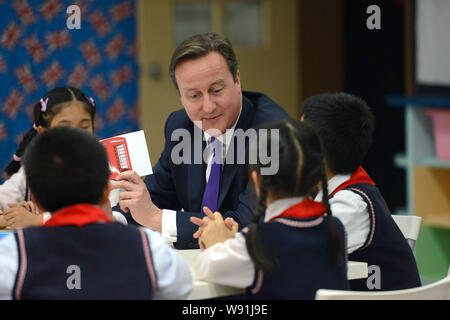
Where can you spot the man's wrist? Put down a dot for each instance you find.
(156, 221)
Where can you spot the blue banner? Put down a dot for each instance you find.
(47, 43)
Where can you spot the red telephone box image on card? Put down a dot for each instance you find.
(119, 158)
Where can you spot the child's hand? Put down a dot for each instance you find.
(29, 205)
(213, 229)
(3, 223)
(229, 222)
(19, 217)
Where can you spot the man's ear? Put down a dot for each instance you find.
(237, 79)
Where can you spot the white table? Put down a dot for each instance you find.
(207, 290)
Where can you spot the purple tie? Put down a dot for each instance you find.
(212, 187)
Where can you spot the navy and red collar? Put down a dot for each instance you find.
(77, 215)
(298, 208)
(359, 176)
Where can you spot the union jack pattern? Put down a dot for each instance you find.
(38, 53)
(57, 40)
(2, 65)
(35, 48)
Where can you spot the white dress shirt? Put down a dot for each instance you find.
(351, 210)
(228, 263)
(174, 278)
(169, 217)
(13, 189)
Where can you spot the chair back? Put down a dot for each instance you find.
(439, 290)
(409, 226)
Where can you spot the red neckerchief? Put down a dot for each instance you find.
(359, 176)
(77, 215)
(308, 208)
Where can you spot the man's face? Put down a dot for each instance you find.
(208, 92)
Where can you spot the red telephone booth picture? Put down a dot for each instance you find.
(119, 158)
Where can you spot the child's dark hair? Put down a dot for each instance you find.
(43, 116)
(66, 166)
(301, 170)
(345, 125)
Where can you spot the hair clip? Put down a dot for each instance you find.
(16, 158)
(92, 101)
(44, 104)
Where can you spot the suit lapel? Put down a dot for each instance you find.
(196, 171)
(230, 170)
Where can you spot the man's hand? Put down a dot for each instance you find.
(136, 199)
(213, 229)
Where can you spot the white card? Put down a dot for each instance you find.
(128, 152)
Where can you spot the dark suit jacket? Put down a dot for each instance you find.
(181, 186)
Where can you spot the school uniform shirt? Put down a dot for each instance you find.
(385, 246)
(351, 209)
(13, 190)
(229, 263)
(147, 266)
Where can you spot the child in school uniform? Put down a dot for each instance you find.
(63, 106)
(294, 246)
(80, 253)
(345, 126)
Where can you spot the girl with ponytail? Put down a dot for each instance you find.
(63, 106)
(294, 245)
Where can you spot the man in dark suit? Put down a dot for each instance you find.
(197, 171)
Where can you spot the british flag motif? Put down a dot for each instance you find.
(121, 11)
(115, 46)
(35, 48)
(78, 76)
(3, 131)
(100, 87)
(52, 74)
(26, 79)
(3, 68)
(24, 12)
(49, 9)
(90, 52)
(135, 113)
(115, 111)
(57, 40)
(38, 53)
(99, 22)
(13, 103)
(121, 76)
(11, 35)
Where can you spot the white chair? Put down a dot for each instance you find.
(410, 227)
(439, 290)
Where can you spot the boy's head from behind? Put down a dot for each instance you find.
(66, 166)
(345, 125)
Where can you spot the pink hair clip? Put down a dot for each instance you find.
(92, 101)
(44, 104)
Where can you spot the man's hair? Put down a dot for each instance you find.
(345, 125)
(66, 166)
(200, 45)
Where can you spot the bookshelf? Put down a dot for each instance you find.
(427, 177)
